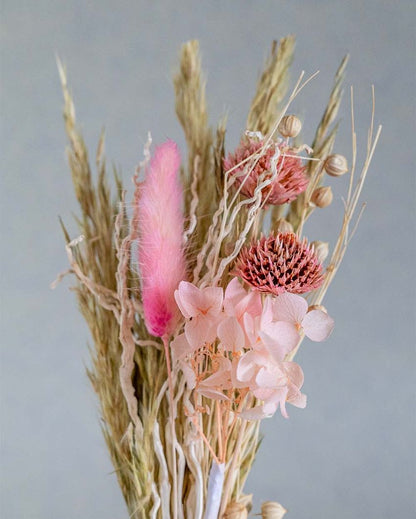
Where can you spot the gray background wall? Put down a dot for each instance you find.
(350, 453)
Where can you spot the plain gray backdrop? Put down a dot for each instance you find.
(351, 452)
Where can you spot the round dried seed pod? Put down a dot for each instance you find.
(284, 226)
(272, 510)
(336, 165)
(289, 126)
(321, 249)
(317, 307)
(322, 196)
(236, 511)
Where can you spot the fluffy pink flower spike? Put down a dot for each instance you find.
(161, 254)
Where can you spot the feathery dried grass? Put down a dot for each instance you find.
(271, 87)
(192, 113)
(300, 209)
(97, 260)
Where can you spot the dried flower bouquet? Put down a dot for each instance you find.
(199, 293)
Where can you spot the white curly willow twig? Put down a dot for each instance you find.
(126, 320)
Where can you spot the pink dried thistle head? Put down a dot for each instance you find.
(289, 183)
(279, 264)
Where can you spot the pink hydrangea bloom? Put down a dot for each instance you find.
(202, 306)
(234, 341)
(293, 309)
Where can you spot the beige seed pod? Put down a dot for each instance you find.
(236, 511)
(322, 196)
(284, 226)
(318, 307)
(289, 126)
(272, 510)
(321, 249)
(336, 165)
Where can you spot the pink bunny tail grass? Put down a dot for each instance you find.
(160, 251)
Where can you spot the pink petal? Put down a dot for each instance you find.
(251, 304)
(290, 308)
(278, 395)
(188, 374)
(234, 380)
(283, 408)
(212, 299)
(221, 376)
(193, 301)
(212, 393)
(280, 338)
(267, 377)
(181, 347)
(267, 314)
(231, 334)
(317, 325)
(247, 366)
(234, 293)
(200, 330)
(249, 328)
(263, 393)
(255, 413)
(294, 373)
(269, 409)
(298, 401)
(185, 296)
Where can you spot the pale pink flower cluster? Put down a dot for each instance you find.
(234, 346)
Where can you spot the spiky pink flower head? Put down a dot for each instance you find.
(278, 264)
(290, 180)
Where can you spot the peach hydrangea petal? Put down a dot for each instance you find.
(248, 365)
(234, 380)
(221, 377)
(290, 307)
(256, 413)
(193, 301)
(294, 373)
(214, 394)
(280, 338)
(188, 374)
(231, 335)
(298, 400)
(317, 325)
(180, 347)
(200, 330)
(238, 301)
(263, 393)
